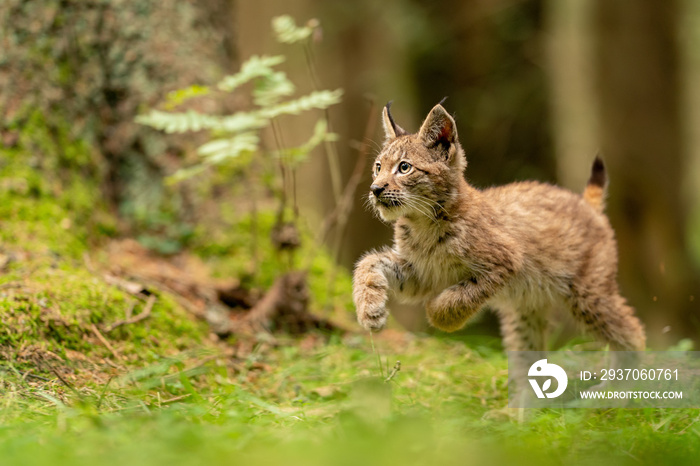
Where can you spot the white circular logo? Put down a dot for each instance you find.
(542, 368)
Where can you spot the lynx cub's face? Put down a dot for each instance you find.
(415, 174)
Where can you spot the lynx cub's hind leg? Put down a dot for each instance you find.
(610, 320)
(522, 329)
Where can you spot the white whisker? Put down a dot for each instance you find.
(422, 208)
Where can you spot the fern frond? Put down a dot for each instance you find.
(176, 122)
(238, 133)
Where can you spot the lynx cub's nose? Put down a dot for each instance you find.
(376, 189)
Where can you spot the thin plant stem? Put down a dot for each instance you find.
(340, 214)
(294, 193)
(252, 180)
(283, 169)
(374, 350)
(331, 153)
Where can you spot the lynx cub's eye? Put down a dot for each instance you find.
(377, 167)
(405, 167)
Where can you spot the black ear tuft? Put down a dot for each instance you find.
(388, 112)
(391, 129)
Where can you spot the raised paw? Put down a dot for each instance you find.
(445, 313)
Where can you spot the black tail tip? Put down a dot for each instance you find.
(598, 175)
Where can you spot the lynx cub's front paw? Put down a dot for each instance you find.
(369, 291)
(372, 318)
(370, 302)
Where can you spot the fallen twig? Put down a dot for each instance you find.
(105, 342)
(173, 400)
(394, 371)
(60, 377)
(110, 363)
(137, 318)
(34, 376)
(177, 295)
(133, 288)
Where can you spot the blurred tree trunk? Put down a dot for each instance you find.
(488, 58)
(637, 77)
(220, 15)
(690, 37)
(572, 100)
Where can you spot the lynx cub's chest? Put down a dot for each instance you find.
(435, 258)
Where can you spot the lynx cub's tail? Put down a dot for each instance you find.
(594, 193)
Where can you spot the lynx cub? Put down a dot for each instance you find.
(522, 249)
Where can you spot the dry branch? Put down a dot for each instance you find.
(285, 306)
(132, 288)
(137, 318)
(339, 215)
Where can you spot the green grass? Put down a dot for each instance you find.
(328, 405)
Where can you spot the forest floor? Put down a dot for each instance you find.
(97, 368)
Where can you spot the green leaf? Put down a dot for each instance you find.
(180, 96)
(194, 121)
(269, 90)
(186, 173)
(316, 100)
(288, 32)
(254, 67)
(241, 122)
(219, 150)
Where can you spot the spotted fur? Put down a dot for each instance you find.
(521, 249)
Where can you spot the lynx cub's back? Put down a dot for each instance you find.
(522, 249)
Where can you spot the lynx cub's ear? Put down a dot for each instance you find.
(439, 129)
(391, 129)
